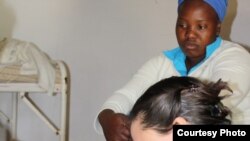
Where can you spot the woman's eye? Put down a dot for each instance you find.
(182, 25)
(201, 27)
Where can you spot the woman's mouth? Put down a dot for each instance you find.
(190, 46)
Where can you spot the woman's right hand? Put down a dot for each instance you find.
(116, 126)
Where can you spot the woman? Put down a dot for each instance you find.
(177, 101)
(201, 53)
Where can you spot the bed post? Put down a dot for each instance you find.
(65, 102)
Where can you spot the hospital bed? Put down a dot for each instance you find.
(26, 70)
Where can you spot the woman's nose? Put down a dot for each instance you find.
(190, 34)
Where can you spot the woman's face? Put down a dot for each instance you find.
(197, 26)
(138, 133)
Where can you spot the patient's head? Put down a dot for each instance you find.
(177, 100)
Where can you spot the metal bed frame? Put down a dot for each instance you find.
(22, 92)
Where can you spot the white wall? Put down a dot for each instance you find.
(103, 42)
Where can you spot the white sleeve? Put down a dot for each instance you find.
(233, 66)
(123, 100)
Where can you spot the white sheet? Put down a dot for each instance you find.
(32, 60)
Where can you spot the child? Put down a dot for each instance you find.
(177, 100)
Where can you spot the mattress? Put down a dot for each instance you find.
(12, 79)
(12, 74)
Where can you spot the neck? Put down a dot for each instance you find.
(191, 62)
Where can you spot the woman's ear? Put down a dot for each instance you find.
(218, 29)
(180, 121)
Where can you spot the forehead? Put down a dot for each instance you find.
(139, 133)
(196, 9)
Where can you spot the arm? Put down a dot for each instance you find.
(123, 99)
(233, 65)
(116, 126)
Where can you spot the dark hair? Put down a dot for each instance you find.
(196, 101)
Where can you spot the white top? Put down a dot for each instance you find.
(230, 62)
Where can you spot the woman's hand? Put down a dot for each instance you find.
(116, 126)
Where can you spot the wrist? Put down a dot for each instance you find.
(105, 115)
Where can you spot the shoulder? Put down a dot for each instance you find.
(232, 46)
(156, 63)
(160, 58)
(231, 51)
